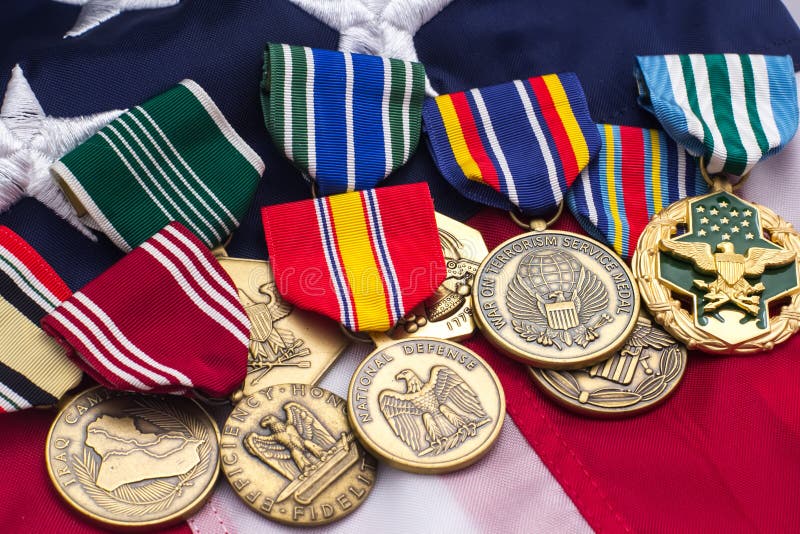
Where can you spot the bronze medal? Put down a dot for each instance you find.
(447, 314)
(720, 273)
(426, 405)
(287, 344)
(555, 299)
(639, 376)
(131, 460)
(288, 451)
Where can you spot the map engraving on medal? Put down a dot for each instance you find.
(640, 375)
(133, 460)
(555, 299)
(303, 451)
(425, 405)
(289, 452)
(435, 416)
(287, 344)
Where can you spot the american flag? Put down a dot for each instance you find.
(723, 454)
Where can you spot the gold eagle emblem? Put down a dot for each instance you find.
(731, 269)
(435, 416)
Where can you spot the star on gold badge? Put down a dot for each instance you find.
(734, 213)
(747, 213)
(723, 204)
(704, 220)
(745, 223)
(713, 211)
(700, 209)
(735, 229)
(702, 232)
(724, 220)
(726, 237)
(749, 235)
(715, 228)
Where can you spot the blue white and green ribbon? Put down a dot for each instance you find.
(732, 109)
(345, 120)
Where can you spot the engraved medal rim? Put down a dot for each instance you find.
(172, 519)
(513, 352)
(281, 520)
(655, 292)
(416, 467)
(596, 412)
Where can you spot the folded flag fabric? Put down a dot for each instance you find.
(345, 120)
(34, 369)
(173, 158)
(165, 318)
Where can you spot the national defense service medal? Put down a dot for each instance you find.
(287, 344)
(448, 313)
(133, 461)
(639, 376)
(425, 405)
(555, 299)
(289, 452)
(720, 273)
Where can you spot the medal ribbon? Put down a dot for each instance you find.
(518, 144)
(732, 109)
(636, 173)
(165, 318)
(174, 158)
(34, 369)
(345, 120)
(364, 258)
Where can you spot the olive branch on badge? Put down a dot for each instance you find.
(155, 495)
(650, 388)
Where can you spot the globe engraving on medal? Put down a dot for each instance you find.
(426, 405)
(288, 451)
(555, 299)
(131, 460)
(637, 377)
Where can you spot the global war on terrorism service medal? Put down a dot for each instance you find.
(555, 299)
(128, 460)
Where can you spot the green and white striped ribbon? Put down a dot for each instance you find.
(732, 109)
(174, 158)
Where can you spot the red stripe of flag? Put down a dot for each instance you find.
(566, 154)
(474, 143)
(633, 178)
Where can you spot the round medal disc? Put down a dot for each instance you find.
(637, 377)
(555, 299)
(721, 274)
(426, 405)
(131, 460)
(289, 452)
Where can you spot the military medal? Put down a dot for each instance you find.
(425, 405)
(289, 452)
(547, 298)
(133, 461)
(637, 377)
(721, 273)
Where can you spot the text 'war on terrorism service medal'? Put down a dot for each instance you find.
(289, 452)
(128, 460)
(720, 273)
(637, 377)
(425, 405)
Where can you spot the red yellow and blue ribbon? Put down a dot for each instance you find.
(636, 173)
(518, 144)
(364, 258)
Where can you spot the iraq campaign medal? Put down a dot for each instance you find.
(721, 273)
(289, 452)
(637, 377)
(547, 298)
(425, 405)
(128, 460)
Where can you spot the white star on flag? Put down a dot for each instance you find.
(31, 141)
(377, 27)
(95, 12)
